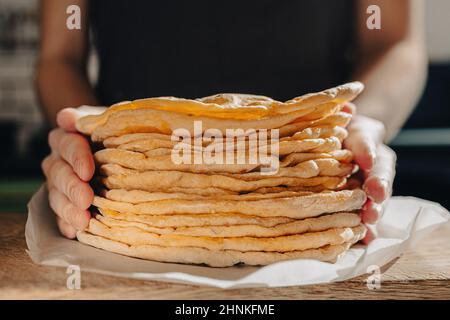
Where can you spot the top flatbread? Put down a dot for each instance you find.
(225, 111)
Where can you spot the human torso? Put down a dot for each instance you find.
(196, 48)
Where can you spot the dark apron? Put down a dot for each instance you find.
(195, 48)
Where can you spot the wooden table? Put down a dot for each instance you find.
(422, 273)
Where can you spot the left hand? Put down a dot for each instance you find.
(376, 162)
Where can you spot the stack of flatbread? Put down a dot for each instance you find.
(221, 214)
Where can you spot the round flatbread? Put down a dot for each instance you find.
(337, 220)
(139, 196)
(195, 220)
(225, 258)
(293, 207)
(225, 111)
(118, 177)
(135, 236)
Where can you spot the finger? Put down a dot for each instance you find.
(364, 136)
(66, 119)
(93, 110)
(75, 149)
(370, 235)
(67, 182)
(371, 212)
(66, 229)
(349, 108)
(67, 211)
(378, 184)
(363, 149)
(47, 163)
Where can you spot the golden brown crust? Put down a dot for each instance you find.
(163, 115)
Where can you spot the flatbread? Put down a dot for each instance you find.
(308, 133)
(163, 115)
(209, 191)
(309, 145)
(118, 177)
(226, 258)
(292, 207)
(222, 214)
(306, 169)
(135, 236)
(139, 196)
(284, 147)
(325, 222)
(141, 162)
(159, 152)
(340, 119)
(293, 159)
(114, 142)
(329, 145)
(319, 132)
(195, 220)
(333, 168)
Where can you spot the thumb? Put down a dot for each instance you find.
(66, 118)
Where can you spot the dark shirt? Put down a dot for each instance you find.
(195, 48)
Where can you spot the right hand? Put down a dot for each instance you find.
(376, 161)
(68, 169)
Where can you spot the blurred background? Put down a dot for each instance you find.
(423, 147)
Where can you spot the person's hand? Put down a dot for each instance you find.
(68, 169)
(376, 162)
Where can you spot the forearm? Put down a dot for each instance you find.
(61, 84)
(394, 82)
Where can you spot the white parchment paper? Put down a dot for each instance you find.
(405, 221)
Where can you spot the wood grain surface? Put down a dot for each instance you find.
(421, 273)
